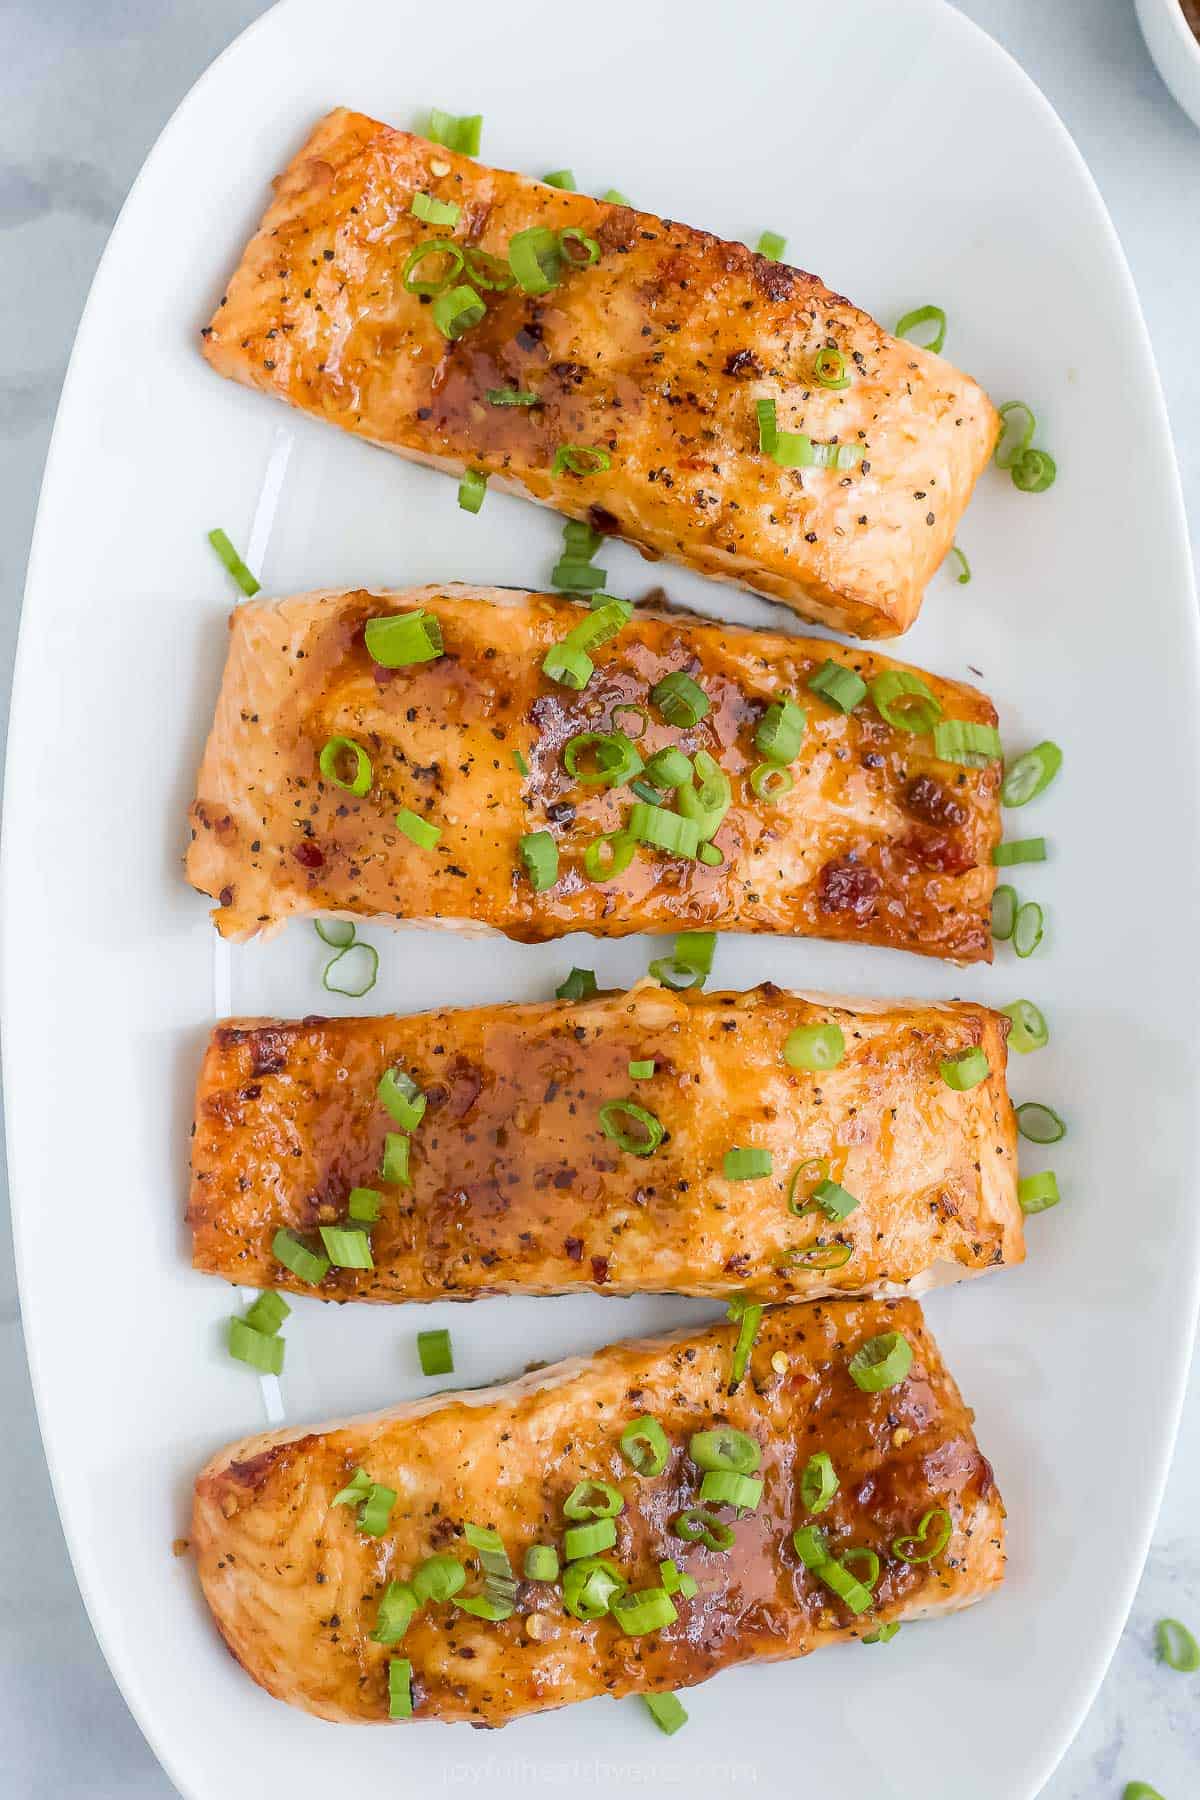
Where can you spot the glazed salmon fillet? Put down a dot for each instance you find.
(512, 1183)
(295, 1585)
(653, 357)
(867, 835)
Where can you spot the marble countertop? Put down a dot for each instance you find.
(85, 86)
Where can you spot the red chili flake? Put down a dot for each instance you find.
(309, 855)
(847, 887)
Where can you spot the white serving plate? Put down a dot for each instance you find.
(908, 160)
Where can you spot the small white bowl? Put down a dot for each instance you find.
(1176, 50)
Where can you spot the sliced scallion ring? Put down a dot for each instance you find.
(780, 732)
(609, 856)
(435, 1352)
(535, 259)
(669, 768)
(647, 1610)
(1030, 774)
(838, 685)
(966, 742)
(539, 853)
(457, 131)
(578, 249)
(881, 1362)
(561, 178)
(813, 1169)
(304, 1262)
(417, 830)
(260, 1350)
(1028, 928)
(1038, 1193)
(1029, 1030)
(394, 1164)
(402, 1097)
(1034, 471)
(1004, 912)
(396, 640)
(590, 1585)
(347, 1247)
(663, 830)
(819, 1258)
(333, 758)
(432, 211)
(924, 315)
(699, 1525)
(580, 984)
(725, 1447)
(1176, 1646)
(819, 1482)
(750, 1163)
(432, 284)
(541, 1563)
(829, 368)
(472, 490)
(771, 245)
(928, 1540)
(581, 459)
(769, 782)
(591, 1539)
(965, 1069)
(593, 1500)
(363, 1205)
(644, 1445)
(438, 1579)
(667, 1710)
(748, 1314)
(233, 563)
(681, 700)
(1019, 850)
(724, 1487)
(904, 701)
(1039, 1123)
(337, 933)
(648, 1131)
(962, 578)
(512, 397)
(1016, 432)
(690, 963)
(353, 971)
(814, 1047)
(397, 1605)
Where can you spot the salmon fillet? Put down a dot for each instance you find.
(876, 841)
(513, 1185)
(295, 1586)
(656, 355)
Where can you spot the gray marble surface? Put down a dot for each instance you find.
(85, 86)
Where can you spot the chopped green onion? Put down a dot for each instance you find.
(748, 1314)
(233, 563)
(1029, 1028)
(1176, 1646)
(834, 1201)
(663, 830)
(499, 1586)
(769, 782)
(589, 1587)
(811, 1166)
(436, 1352)
(589, 1539)
(881, 1362)
(690, 962)
(681, 700)
(746, 1164)
(707, 804)
(588, 245)
(638, 713)
(337, 933)
(1140, 1790)
(307, 1265)
(398, 639)
(541, 1563)
(489, 1546)
(962, 578)
(614, 197)
(603, 622)
(576, 577)
(261, 1350)
(1038, 1193)
(356, 1490)
(608, 856)
(819, 1482)
(580, 459)
(725, 1447)
(400, 1701)
(643, 1443)
(561, 178)
(1019, 850)
(346, 1247)
(675, 1580)
(438, 284)
(521, 766)
(334, 751)
(813, 1551)
(536, 259)
(1028, 928)
(364, 1204)
(840, 686)
(1034, 471)
(570, 667)
(1030, 774)
(268, 1313)
(667, 1710)
(376, 1510)
(795, 449)
(1004, 912)
(669, 768)
(771, 245)
(1016, 433)
(820, 1257)
(438, 1578)
(397, 1605)
(580, 984)
(829, 368)
(493, 1606)
(647, 1610)
(457, 131)
(512, 397)
(779, 732)
(814, 1047)
(883, 1634)
(905, 702)
(698, 1525)
(405, 1102)
(435, 212)
(928, 1540)
(965, 1069)
(419, 831)
(394, 1167)
(1040, 1123)
(867, 1557)
(472, 490)
(364, 958)
(924, 315)
(652, 1129)
(712, 854)
(965, 742)
(614, 758)
(641, 1071)
(539, 853)
(593, 1500)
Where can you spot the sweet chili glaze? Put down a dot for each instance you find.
(515, 1187)
(294, 1586)
(656, 354)
(877, 841)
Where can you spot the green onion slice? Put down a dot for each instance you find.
(1028, 928)
(724, 1447)
(1004, 912)
(1140, 1790)
(498, 1598)
(819, 1482)
(1038, 1193)
(580, 459)
(819, 1257)
(1040, 1123)
(637, 715)
(840, 686)
(305, 1263)
(337, 933)
(438, 1578)
(642, 1070)
(812, 1549)
(541, 1563)
(924, 315)
(521, 766)
(965, 1069)
(834, 1201)
(770, 783)
(355, 1491)
(641, 1142)
(698, 1525)
(580, 984)
(536, 259)
(883, 1634)
(1176, 1646)
(795, 449)
(749, 1163)
(663, 830)
(829, 368)
(512, 397)
(400, 1701)
(394, 1167)
(1034, 471)
(405, 1102)
(967, 743)
(397, 1605)
(812, 1166)
(609, 758)
(575, 577)
(493, 1606)
(268, 1313)
(1029, 1030)
(432, 285)
(376, 1510)
(593, 1500)
(578, 249)
(1019, 850)
(457, 131)
(539, 853)
(814, 1047)
(647, 1610)
(398, 639)
(1030, 774)
(644, 1445)
(588, 1540)
(589, 1587)
(608, 856)
(432, 211)
(749, 1317)
(233, 563)
(472, 489)
(690, 962)
(614, 197)
(881, 1362)
(363, 1205)
(1016, 434)
(569, 666)
(667, 1710)
(707, 803)
(419, 831)
(928, 1540)
(779, 732)
(725, 1487)
(436, 1352)
(675, 1580)
(346, 1247)
(260, 1350)
(359, 975)
(869, 1559)
(681, 700)
(669, 768)
(771, 245)
(712, 854)
(335, 751)
(561, 178)
(905, 702)
(962, 578)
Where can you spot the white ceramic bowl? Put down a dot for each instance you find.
(1176, 50)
